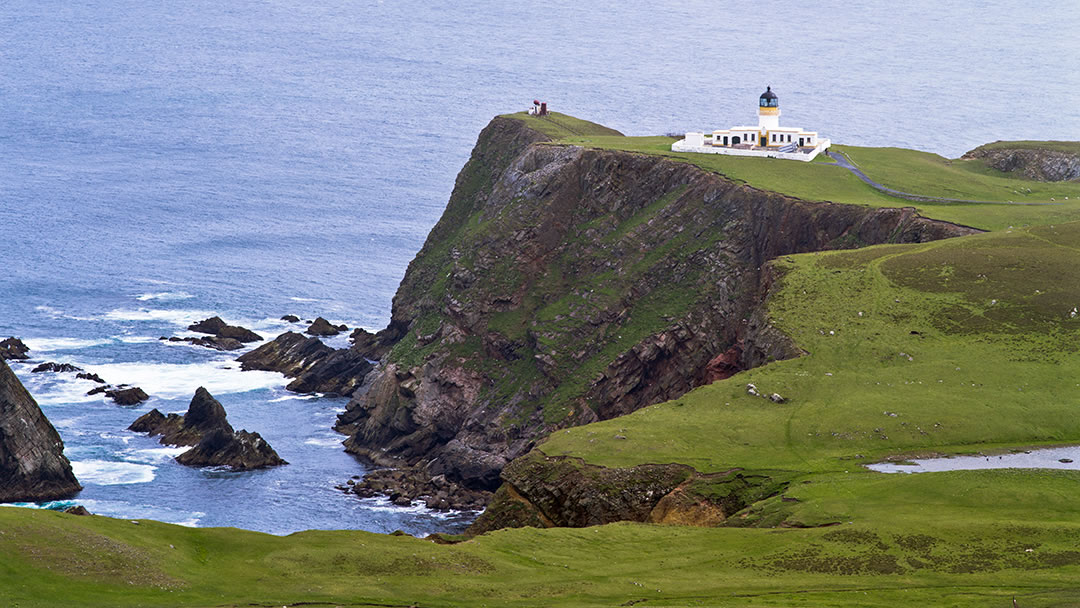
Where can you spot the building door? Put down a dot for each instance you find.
(800, 141)
(764, 141)
(735, 140)
(725, 140)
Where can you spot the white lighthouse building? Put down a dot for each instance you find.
(767, 139)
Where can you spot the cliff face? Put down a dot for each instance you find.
(1044, 165)
(565, 285)
(32, 462)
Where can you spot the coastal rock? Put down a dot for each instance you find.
(77, 510)
(214, 342)
(204, 414)
(371, 346)
(240, 451)
(13, 348)
(406, 486)
(1040, 164)
(55, 367)
(589, 284)
(126, 396)
(90, 377)
(291, 318)
(205, 426)
(322, 327)
(32, 462)
(315, 366)
(217, 327)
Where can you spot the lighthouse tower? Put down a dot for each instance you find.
(768, 111)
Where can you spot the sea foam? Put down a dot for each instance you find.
(109, 473)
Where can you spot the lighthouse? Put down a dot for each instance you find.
(767, 139)
(768, 111)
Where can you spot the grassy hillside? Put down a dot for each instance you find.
(905, 170)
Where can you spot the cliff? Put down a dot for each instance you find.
(1041, 161)
(32, 462)
(566, 285)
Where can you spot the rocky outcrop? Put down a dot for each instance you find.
(290, 318)
(566, 285)
(404, 487)
(55, 367)
(132, 395)
(315, 366)
(541, 491)
(204, 414)
(322, 327)
(32, 462)
(240, 451)
(13, 348)
(217, 327)
(214, 342)
(1040, 164)
(206, 427)
(90, 377)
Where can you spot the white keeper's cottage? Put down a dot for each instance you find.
(767, 139)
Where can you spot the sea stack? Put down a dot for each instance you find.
(205, 427)
(32, 462)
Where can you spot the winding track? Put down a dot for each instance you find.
(843, 161)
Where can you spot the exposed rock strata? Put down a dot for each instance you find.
(541, 492)
(315, 366)
(216, 443)
(1038, 164)
(32, 462)
(565, 285)
(13, 348)
(217, 327)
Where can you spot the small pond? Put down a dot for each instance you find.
(1049, 458)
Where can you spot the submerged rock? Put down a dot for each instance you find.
(32, 462)
(205, 426)
(291, 318)
(55, 367)
(217, 327)
(91, 377)
(13, 348)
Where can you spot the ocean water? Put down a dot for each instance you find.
(162, 162)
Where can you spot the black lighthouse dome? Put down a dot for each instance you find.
(768, 99)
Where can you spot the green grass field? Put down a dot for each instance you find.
(961, 346)
(911, 171)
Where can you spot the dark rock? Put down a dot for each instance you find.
(214, 342)
(204, 415)
(315, 366)
(217, 327)
(1033, 163)
(91, 377)
(32, 462)
(77, 510)
(322, 327)
(205, 426)
(13, 348)
(402, 487)
(240, 451)
(95, 391)
(55, 367)
(372, 346)
(291, 318)
(126, 396)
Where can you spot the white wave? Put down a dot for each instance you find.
(56, 313)
(325, 442)
(125, 510)
(179, 317)
(382, 503)
(108, 473)
(293, 398)
(55, 344)
(136, 339)
(164, 296)
(154, 455)
(299, 299)
(176, 380)
(46, 392)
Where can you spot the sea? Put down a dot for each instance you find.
(163, 162)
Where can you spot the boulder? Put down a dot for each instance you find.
(32, 462)
(217, 327)
(55, 367)
(322, 327)
(13, 348)
(291, 318)
(126, 396)
(77, 510)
